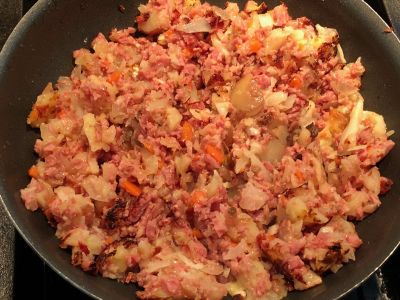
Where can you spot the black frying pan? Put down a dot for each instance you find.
(39, 50)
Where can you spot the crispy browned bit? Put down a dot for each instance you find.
(265, 118)
(121, 8)
(327, 51)
(298, 156)
(100, 259)
(312, 228)
(388, 30)
(232, 211)
(157, 250)
(215, 206)
(92, 269)
(76, 259)
(124, 213)
(313, 130)
(385, 185)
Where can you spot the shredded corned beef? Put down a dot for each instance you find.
(222, 152)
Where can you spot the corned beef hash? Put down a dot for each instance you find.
(219, 152)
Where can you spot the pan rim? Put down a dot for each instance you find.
(12, 42)
(26, 21)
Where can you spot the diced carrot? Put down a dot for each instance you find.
(215, 153)
(250, 22)
(168, 33)
(197, 196)
(33, 116)
(33, 172)
(299, 175)
(187, 52)
(296, 82)
(161, 164)
(254, 45)
(192, 13)
(197, 233)
(114, 77)
(148, 146)
(109, 240)
(187, 131)
(130, 187)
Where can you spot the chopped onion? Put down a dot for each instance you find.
(201, 114)
(379, 125)
(182, 163)
(275, 40)
(236, 251)
(198, 25)
(150, 162)
(253, 6)
(266, 20)
(222, 108)
(216, 42)
(306, 116)
(221, 13)
(372, 180)
(390, 133)
(173, 118)
(296, 209)
(349, 136)
(274, 151)
(215, 183)
(247, 97)
(235, 288)
(280, 100)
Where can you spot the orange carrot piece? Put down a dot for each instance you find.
(187, 52)
(114, 77)
(296, 82)
(215, 153)
(249, 23)
(148, 146)
(187, 131)
(197, 233)
(168, 33)
(161, 164)
(130, 187)
(33, 172)
(109, 240)
(33, 116)
(299, 175)
(255, 45)
(197, 196)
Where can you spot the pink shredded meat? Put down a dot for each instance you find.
(222, 152)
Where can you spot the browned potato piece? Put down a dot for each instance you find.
(154, 22)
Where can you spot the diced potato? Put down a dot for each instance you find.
(173, 118)
(296, 209)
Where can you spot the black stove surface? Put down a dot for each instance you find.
(32, 275)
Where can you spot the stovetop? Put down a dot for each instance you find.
(30, 274)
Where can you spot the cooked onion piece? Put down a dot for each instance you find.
(247, 97)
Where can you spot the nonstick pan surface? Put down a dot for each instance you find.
(39, 50)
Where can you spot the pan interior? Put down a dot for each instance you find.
(39, 51)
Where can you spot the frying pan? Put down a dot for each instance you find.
(39, 50)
